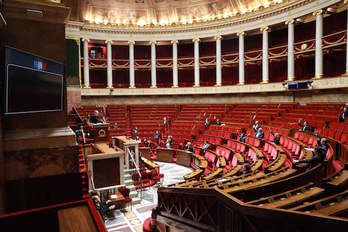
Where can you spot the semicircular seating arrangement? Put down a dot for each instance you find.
(272, 182)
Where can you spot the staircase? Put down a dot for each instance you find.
(129, 184)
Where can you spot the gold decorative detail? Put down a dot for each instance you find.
(318, 12)
(102, 133)
(290, 21)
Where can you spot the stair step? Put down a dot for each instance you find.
(136, 200)
(133, 194)
(128, 182)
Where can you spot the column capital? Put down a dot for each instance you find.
(265, 29)
(174, 41)
(131, 42)
(318, 12)
(195, 40)
(241, 33)
(218, 37)
(108, 41)
(289, 21)
(153, 42)
(85, 39)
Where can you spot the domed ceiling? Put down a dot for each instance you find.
(153, 13)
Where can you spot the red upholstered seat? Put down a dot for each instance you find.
(147, 225)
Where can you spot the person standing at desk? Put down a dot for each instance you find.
(96, 118)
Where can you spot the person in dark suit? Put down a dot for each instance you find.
(319, 154)
(305, 127)
(343, 116)
(189, 147)
(157, 136)
(276, 139)
(242, 137)
(96, 118)
(205, 146)
(256, 126)
(260, 134)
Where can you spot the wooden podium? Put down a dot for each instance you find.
(101, 132)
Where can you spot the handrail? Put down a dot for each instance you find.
(79, 119)
(136, 167)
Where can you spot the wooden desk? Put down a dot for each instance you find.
(194, 175)
(145, 152)
(183, 158)
(165, 155)
(150, 164)
(213, 174)
(101, 132)
(117, 198)
(76, 219)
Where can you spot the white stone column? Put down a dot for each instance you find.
(131, 64)
(347, 47)
(85, 62)
(109, 63)
(265, 73)
(218, 60)
(291, 57)
(318, 44)
(175, 63)
(153, 64)
(196, 61)
(241, 57)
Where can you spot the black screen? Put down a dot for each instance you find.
(30, 90)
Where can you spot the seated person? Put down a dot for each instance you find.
(115, 126)
(218, 122)
(256, 126)
(146, 144)
(247, 167)
(205, 146)
(157, 136)
(242, 137)
(135, 130)
(169, 142)
(260, 134)
(305, 127)
(343, 116)
(97, 118)
(189, 147)
(319, 154)
(276, 139)
(206, 122)
(137, 139)
(165, 121)
(102, 207)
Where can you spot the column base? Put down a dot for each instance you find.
(264, 82)
(290, 79)
(86, 87)
(110, 87)
(153, 87)
(345, 74)
(175, 86)
(241, 83)
(217, 85)
(196, 86)
(131, 87)
(316, 77)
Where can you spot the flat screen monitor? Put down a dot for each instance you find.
(32, 84)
